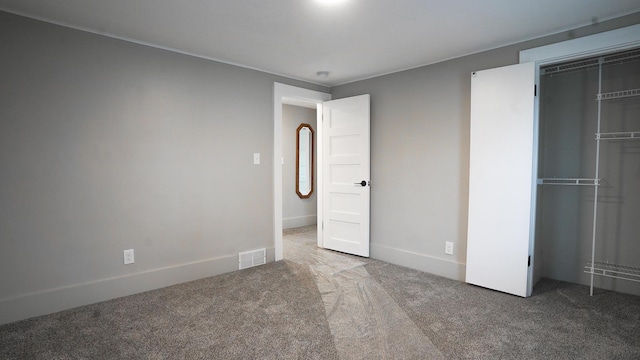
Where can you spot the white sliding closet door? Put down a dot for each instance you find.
(501, 179)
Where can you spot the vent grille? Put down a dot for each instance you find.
(252, 258)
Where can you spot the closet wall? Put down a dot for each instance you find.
(568, 148)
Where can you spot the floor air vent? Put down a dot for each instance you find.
(252, 258)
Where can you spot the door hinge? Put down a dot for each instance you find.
(535, 90)
(529, 261)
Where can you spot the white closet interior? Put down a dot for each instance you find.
(588, 199)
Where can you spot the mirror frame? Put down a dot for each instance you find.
(311, 161)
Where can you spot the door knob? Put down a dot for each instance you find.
(361, 183)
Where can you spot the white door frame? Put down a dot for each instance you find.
(587, 46)
(283, 94)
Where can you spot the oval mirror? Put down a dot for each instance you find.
(304, 161)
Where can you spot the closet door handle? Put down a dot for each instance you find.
(361, 183)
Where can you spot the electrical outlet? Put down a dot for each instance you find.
(448, 247)
(128, 257)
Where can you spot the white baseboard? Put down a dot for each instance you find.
(442, 267)
(67, 297)
(298, 221)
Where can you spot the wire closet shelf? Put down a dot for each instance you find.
(593, 267)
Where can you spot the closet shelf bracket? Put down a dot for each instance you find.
(613, 271)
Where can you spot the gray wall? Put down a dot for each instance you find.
(107, 145)
(296, 212)
(420, 154)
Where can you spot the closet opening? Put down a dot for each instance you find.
(588, 199)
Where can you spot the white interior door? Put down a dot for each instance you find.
(501, 179)
(345, 175)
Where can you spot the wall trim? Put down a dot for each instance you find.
(433, 265)
(587, 46)
(48, 301)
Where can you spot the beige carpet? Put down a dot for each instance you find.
(319, 304)
(365, 322)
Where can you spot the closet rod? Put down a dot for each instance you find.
(568, 181)
(632, 55)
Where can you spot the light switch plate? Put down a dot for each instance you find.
(128, 257)
(256, 158)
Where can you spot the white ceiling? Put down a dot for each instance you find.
(297, 38)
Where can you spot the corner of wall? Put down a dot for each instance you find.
(67, 297)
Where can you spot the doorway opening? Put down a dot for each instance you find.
(290, 95)
(297, 210)
(597, 45)
(588, 162)
(299, 213)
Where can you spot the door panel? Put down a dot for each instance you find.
(345, 163)
(501, 178)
